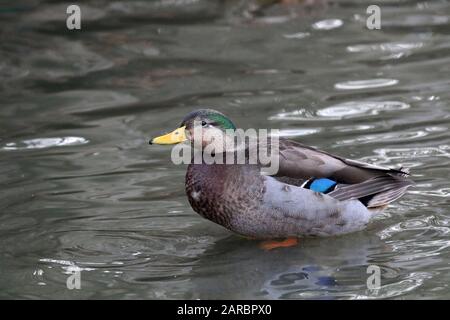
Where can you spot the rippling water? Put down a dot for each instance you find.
(81, 189)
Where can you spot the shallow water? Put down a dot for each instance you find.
(81, 189)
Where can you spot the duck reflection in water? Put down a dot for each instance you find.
(236, 269)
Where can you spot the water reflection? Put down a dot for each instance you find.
(389, 46)
(330, 269)
(328, 24)
(44, 143)
(346, 110)
(365, 84)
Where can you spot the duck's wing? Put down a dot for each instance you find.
(373, 185)
(303, 162)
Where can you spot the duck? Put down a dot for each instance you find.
(313, 193)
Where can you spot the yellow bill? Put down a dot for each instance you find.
(174, 137)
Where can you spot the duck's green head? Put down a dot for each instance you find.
(210, 123)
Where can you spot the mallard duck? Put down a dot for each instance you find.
(314, 193)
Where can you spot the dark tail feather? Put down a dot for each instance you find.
(375, 192)
(384, 198)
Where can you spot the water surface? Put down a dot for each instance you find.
(81, 188)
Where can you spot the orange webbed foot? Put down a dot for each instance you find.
(272, 244)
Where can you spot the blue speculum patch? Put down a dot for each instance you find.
(322, 185)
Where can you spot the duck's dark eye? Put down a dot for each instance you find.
(204, 123)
